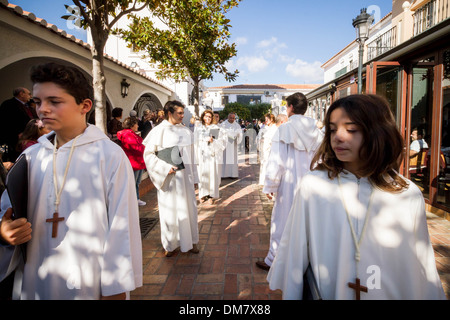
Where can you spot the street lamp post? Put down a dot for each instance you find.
(362, 24)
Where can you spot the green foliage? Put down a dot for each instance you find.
(259, 110)
(100, 16)
(245, 111)
(194, 43)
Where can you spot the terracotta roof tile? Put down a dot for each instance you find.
(51, 27)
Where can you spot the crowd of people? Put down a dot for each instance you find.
(340, 205)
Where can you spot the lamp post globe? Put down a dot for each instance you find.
(362, 25)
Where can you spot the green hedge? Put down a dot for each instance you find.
(246, 111)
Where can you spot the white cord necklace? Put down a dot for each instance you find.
(356, 286)
(56, 219)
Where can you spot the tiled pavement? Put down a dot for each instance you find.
(234, 234)
(439, 230)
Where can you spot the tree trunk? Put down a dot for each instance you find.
(100, 35)
(197, 97)
(99, 86)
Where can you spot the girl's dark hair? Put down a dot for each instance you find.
(31, 132)
(381, 152)
(170, 106)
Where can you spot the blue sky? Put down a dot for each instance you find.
(278, 42)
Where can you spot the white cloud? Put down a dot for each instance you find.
(305, 71)
(271, 48)
(267, 43)
(253, 63)
(270, 56)
(285, 58)
(241, 41)
(230, 65)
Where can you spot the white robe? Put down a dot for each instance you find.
(230, 155)
(98, 248)
(265, 137)
(210, 159)
(397, 259)
(176, 194)
(293, 147)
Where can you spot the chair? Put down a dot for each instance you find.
(419, 162)
(418, 169)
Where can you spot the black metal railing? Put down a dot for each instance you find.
(430, 14)
(382, 43)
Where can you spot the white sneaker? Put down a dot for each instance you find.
(141, 203)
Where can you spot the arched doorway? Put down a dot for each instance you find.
(147, 101)
(18, 75)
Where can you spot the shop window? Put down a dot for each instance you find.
(421, 127)
(388, 86)
(443, 195)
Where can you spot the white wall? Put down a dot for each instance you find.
(351, 53)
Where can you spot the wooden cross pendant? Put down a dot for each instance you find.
(55, 220)
(358, 288)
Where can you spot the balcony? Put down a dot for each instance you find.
(430, 14)
(382, 43)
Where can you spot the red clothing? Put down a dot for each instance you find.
(133, 147)
(25, 144)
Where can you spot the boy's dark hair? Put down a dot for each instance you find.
(381, 152)
(71, 79)
(299, 102)
(170, 106)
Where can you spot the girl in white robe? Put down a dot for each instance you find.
(209, 154)
(176, 194)
(354, 219)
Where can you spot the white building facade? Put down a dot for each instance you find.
(217, 97)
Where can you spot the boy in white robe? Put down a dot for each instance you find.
(230, 155)
(94, 250)
(176, 194)
(358, 223)
(293, 147)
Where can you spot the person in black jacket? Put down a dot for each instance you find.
(145, 125)
(15, 114)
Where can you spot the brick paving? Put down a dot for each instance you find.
(439, 230)
(234, 234)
